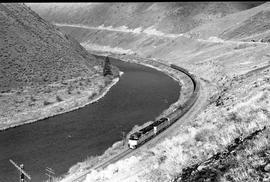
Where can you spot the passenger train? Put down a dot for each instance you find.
(146, 133)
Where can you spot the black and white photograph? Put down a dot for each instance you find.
(135, 91)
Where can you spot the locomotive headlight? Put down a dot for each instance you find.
(132, 143)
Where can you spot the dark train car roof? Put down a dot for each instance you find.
(141, 131)
(158, 122)
(146, 129)
(135, 135)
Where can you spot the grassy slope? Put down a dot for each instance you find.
(40, 67)
(238, 102)
(238, 25)
(235, 113)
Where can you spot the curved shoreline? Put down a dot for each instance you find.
(117, 146)
(104, 91)
(166, 69)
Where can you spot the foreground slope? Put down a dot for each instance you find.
(230, 56)
(40, 67)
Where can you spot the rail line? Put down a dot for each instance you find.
(102, 165)
(176, 114)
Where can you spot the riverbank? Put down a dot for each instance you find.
(57, 101)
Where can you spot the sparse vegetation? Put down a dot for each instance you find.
(92, 96)
(32, 98)
(47, 103)
(59, 99)
(40, 66)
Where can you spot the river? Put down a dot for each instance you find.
(63, 140)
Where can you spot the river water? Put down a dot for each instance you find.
(63, 140)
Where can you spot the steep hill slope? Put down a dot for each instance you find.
(177, 17)
(37, 63)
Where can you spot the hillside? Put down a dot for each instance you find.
(149, 27)
(249, 23)
(177, 17)
(226, 45)
(40, 67)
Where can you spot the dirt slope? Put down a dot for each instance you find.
(36, 62)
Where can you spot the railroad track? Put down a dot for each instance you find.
(187, 105)
(99, 166)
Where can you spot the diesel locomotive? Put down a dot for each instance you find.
(148, 132)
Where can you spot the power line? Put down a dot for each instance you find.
(49, 172)
(21, 170)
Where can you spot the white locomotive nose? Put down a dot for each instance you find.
(132, 143)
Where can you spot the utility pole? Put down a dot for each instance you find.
(49, 172)
(123, 137)
(21, 171)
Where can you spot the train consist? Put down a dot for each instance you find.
(146, 133)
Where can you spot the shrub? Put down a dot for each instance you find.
(18, 93)
(48, 90)
(202, 135)
(33, 99)
(45, 103)
(107, 82)
(69, 90)
(94, 94)
(161, 159)
(59, 99)
(234, 117)
(19, 101)
(60, 109)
